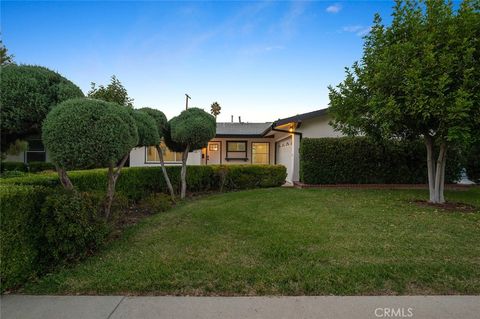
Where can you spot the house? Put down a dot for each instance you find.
(242, 143)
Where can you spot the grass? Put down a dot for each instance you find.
(289, 242)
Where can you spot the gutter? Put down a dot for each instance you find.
(284, 131)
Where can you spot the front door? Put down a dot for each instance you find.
(213, 153)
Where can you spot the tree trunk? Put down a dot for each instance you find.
(184, 172)
(113, 174)
(430, 167)
(436, 171)
(64, 179)
(110, 191)
(165, 174)
(440, 175)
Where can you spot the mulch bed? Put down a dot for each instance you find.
(449, 206)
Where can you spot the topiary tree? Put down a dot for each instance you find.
(28, 94)
(161, 125)
(191, 130)
(88, 133)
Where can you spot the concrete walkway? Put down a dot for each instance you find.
(72, 307)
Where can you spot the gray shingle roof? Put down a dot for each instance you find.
(301, 117)
(229, 128)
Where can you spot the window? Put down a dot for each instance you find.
(237, 150)
(168, 156)
(260, 153)
(213, 147)
(35, 151)
(237, 146)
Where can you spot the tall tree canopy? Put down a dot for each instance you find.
(418, 78)
(113, 92)
(28, 94)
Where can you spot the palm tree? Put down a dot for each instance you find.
(215, 109)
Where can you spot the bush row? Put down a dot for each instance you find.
(137, 182)
(19, 207)
(43, 226)
(357, 160)
(32, 167)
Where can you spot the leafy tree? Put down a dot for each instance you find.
(418, 78)
(28, 94)
(161, 125)
(88, 133)
(113, 92)
(5, 58)
(189, 131)
(215, 109)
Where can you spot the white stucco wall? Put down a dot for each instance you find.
(318, 127)
(137, 158)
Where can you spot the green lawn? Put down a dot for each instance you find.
(289, 242)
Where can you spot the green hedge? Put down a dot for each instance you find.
(137, 182)
(69, 226)
(35, 167)
(32, 167)
(237, 177)
(357, 160)
(13, 166)
(18, 252)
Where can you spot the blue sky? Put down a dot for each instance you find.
(260, 60)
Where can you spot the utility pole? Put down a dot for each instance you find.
(187, 97)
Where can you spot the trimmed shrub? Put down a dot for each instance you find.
(88, 133)
(13, 166)
(13, 174)
(28, 93)
(237, 177)
(18, 250)
(138, 182)
(134, 182)
(35, 167)
(71, 225)
(156, 203)
(357, 160)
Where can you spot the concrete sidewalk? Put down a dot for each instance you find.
(72, 307)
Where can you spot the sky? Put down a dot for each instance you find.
(261, 60)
